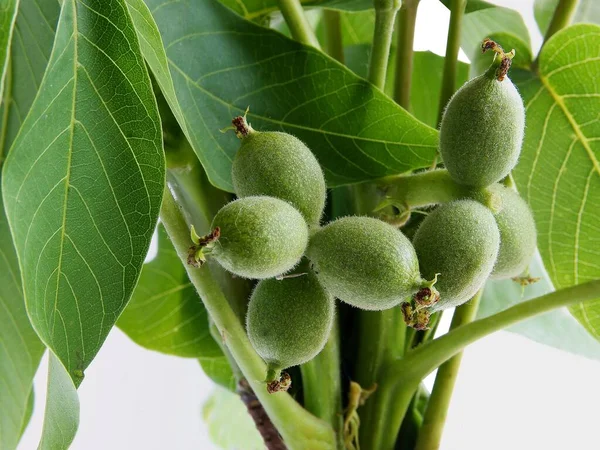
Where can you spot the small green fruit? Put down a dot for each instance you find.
(482, 130)
(459, 241)
(518, 237)
(365, 262)
(260, 237)
(279, 165)
(289, 320)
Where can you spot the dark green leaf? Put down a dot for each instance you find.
(229, 424)
(558, 173)
(83, 183)
(253, 9)
(8, 14)
(61, 416)
(30, 50)
(557, 329)
(357, 133)
(587, 11)
(165, 313)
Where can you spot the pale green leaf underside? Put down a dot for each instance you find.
(61, 416)
(83, 182)
(229, 424)
(252, 9)
(221, 64)
(30, 50)
(217, 368)
(558, 328)
(165, 313)
(559, 171)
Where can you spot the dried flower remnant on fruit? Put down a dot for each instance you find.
(202, 246)
(282, 384)
(526, 280)
(506, 58)
(241, 126)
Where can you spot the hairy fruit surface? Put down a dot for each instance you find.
(482, 131)
(260, 237)
(289, 320)
(459, 241)
(365, 262)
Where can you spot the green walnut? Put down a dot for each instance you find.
(365, 262)
(259, 237)
(458, 241)
(518, 237)
(279, 165)
(482, 130)
(289, 321)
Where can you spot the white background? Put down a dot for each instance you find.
(511, 393)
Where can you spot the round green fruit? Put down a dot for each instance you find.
(279, 165)
(260, 237)
(459, 241)
(289, 320)
(518, 237)
(482, 130)
(365, 262)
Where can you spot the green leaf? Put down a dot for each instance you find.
(253, 9)
(428, 69)
(61, 416)
(218, 369)
(8, 14)
(165, 313)
(357, 133)
(558, 172)
(229, 424)
(557, 329)
(587, 11)
(30, 50)
(357, 28)
(484, 22)
(20, 348)
(83, 182)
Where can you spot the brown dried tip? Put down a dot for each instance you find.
(192, 258)
(281, 385)
(502, 69)
(488, 44)
(213, 236)
(241, 126)
(426, 296)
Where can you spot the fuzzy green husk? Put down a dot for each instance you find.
(281, 166)
(261, 237)
(365, 262)
(459, 241)
(482, 131)
(289, 320)
(518, 237)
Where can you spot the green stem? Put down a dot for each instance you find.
(296, 21)
(333, 34)
(430, 435)
(321, 384)
(298, 428)
(425, 188)
(401, 378)
(385, 15)
(563, 15)
(457, 10)
(407, 18)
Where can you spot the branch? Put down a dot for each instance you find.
(407, 18)
(333, 31)
(430, 434)
(305, 430)
(296, 21)
(385, 15)
(401, 378)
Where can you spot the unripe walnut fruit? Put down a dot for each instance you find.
(365, 262)
(459, 241)
(279, 165)
(482, 130)
(260, 237)
(289, 320)
(518, 236)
